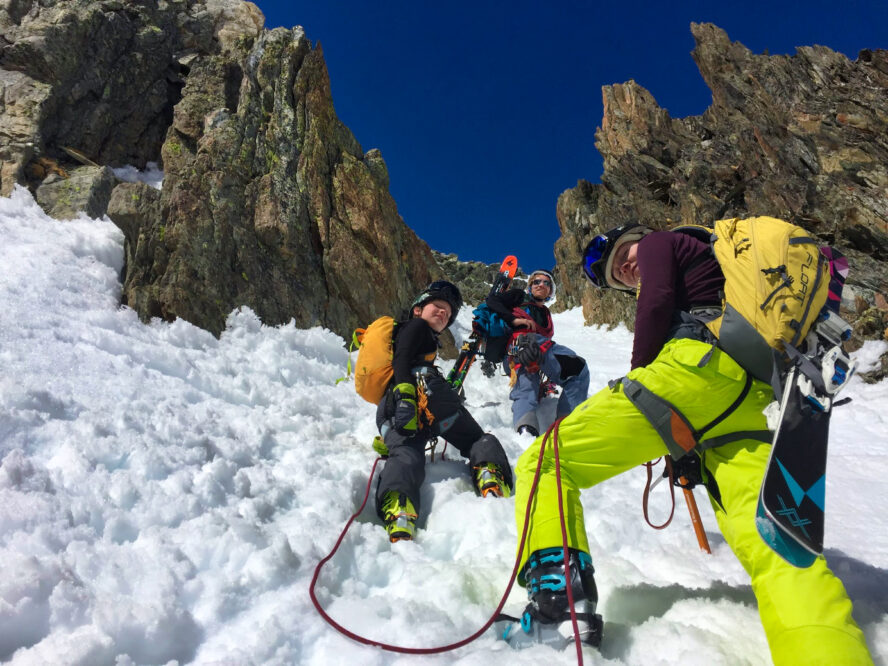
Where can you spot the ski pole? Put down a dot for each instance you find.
(695, 516)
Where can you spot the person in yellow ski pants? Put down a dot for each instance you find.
(806, 613)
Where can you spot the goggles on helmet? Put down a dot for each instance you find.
(595, 260)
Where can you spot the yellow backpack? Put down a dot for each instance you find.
(776, 283)
(373, 368)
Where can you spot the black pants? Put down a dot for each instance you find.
(404, 471)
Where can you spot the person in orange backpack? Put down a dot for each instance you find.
(406, 424)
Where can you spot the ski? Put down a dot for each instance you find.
(790, 512)
(473, 345)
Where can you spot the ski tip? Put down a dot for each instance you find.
(509, 266)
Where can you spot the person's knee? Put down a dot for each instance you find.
(524, 399)
(807, 619)
(806, 612)
(819, 646)
(571, 366)
(405, 450)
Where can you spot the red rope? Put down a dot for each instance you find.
(408, 650)
(567, 577)
(465, 641)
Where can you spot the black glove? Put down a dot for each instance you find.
(528, 353)
(404, 419)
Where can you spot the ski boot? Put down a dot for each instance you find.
(546, 619)
(489, 481)
(400, 516)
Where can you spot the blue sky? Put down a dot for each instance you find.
(486, 111)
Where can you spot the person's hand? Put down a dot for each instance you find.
(404, 419)
(522, 323)
(529, 353)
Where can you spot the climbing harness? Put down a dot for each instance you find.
(426, 418)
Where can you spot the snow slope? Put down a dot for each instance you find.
(165, 496)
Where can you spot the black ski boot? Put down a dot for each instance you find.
(546, 619)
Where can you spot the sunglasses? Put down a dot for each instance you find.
(548, 283)
(594, 260)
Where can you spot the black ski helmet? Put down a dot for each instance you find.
(598, 258)
(443, 290)
(551, 297)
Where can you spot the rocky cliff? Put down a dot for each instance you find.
(268, 200)
(802, 137)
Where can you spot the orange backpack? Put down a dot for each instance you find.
(373, 368)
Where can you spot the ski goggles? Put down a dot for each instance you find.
(595, 260)
(544, 281)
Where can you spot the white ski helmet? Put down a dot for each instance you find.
(551, 298)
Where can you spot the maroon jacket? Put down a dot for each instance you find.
(678, 272)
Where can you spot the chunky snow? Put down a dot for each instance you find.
(165, 496)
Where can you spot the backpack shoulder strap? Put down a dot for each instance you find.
(701, 233)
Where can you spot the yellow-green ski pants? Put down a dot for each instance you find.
(806, 613)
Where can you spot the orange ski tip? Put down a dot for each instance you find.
(509, 266)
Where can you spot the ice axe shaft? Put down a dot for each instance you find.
(695, 516)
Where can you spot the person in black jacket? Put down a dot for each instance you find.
(534, 353)
(407, 424)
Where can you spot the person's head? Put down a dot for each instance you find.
(541, 286)
(438, 305)
(610, 259)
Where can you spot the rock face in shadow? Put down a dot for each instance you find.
(269, 201)
(100, 77)
(802, 137)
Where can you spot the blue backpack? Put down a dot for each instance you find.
(494, 330)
